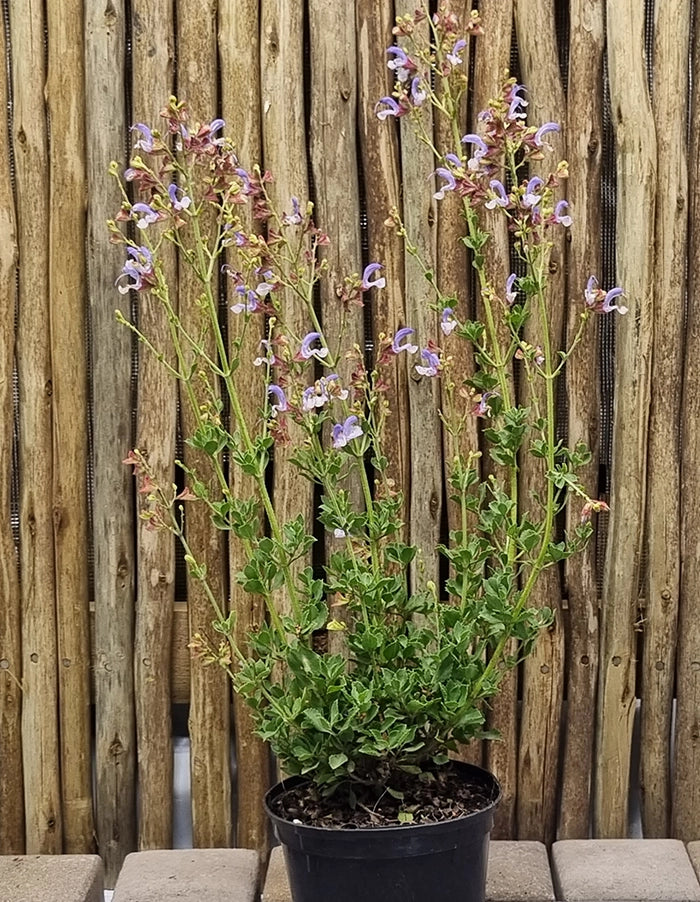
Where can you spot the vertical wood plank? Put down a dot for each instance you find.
(543, 671)
(42, 795)
(152, 36)
(239, 55)
(285, 155)
(419, 212)
(67, 205)
(491, 63)
(209, 723)
(11, 779)
(584, 127)
(636, 190)
(113, 514)
(671, 87)
(381, 175)
(686, 785)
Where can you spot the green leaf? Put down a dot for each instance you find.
(338, 760)
(405, 817)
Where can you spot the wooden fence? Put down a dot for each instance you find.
(296, 81)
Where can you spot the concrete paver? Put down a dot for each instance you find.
(189, 875)
(60, 878)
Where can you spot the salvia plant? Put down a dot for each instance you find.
(418, 663)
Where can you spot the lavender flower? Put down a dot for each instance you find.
(370, 269)
(321, 392)
(249, 303)
(450, 183)
(432, 367)
(342, 433)
(561, 217)
(610, 296)
(306, 351)
(500, 198)
(295, 217)
(482, 409)
(454, 57)
(339, 533)
(418, 94)
(269, 357)
(282, 404)
(511, 293)
(480, 152)
(147, 142)
(516, 102)
(139, 269)
(396, 345)
(145, 215)
(530, 198)
(400, 64)
(600, 301)
(391, 108)
(447, 322)
(545, 130)
(179, 203)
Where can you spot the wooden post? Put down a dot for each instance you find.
(671, 47)
(11, 780)
(113, 512)
(584, 127)
(543, 671)
(210, 722)
(239, 55)
(636, 189)
(67, 205)
(491, 61)
(42, 795)
(381, 177)
(686, 785)
(419, 212)
(152, 31)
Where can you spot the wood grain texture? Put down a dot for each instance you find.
(239, 54)
(543, 671)
(419, 216)
(583, 134)
(152, 35)
(670, 101)
(65, 94)
(209, 718)
(686, 785)
(42, 794)
(636, 189)
(11, 779)
(491, 62)
(381, 175)
(113, 510)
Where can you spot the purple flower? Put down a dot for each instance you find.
(432, 367)
(269, 357)
(342, 433)
(500, 198)
(295, 218)
(545, 130)
(145, 215)
(145, 143)
(516, 102)
(392, 108)
(530, 198)
(339, 533)
(139, 269)
(282, 404)
(600, 301)
(610, 296)
(181, 203)
(454, 56)
(511, 293)
(400, 64)
(591, 292)
(216, 125)
(480, 152)
(306, 351)
(454, 160)
(245, 179)
(249, 302)
(450, 183)
(396, 345)
(370, 269)
(447, 322)
(418, 95)
(482, 409)
(559, 215)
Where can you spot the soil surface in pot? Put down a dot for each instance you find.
(448, 795)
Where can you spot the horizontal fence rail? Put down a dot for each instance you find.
(95, 619)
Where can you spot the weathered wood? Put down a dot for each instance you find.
(381, 178)
(209, 721)
(543, 672)
(491, 61)
(11, 781)
(113, 511)
(636, 189)
(65, 94)
(419, 215)
(671, 87)
(239, 55)
(42, 794)
(583, 136)
(152, 34)
(285, 155)
(686, 785)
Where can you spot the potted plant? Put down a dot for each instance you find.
(366, 736)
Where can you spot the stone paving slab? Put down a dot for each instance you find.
(694, 852)
(189, 875)
(623, 870)
(518, 872)
(58, 878)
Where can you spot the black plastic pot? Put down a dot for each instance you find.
(444, 862)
